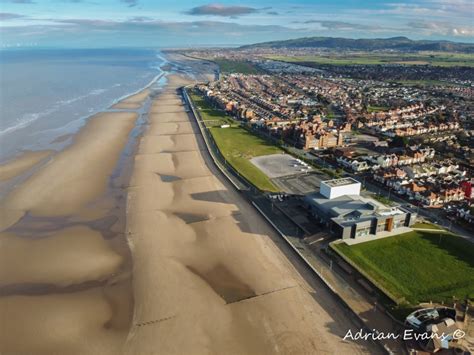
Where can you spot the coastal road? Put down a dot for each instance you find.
(208, 274)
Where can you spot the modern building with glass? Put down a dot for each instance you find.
(347, 214)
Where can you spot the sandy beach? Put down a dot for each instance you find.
(133, 101)
(171, 260)
(19, 165)
(64, 262)
(78, 174)
(207, 276)
(57, 259)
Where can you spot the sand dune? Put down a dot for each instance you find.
(22, 164)
(207, 278)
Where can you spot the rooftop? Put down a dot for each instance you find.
(343, 205)
(346, 210)
(340, 182)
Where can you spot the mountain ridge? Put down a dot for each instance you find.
(399, 43)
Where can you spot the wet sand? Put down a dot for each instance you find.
(57, 259)
(65, 284)
(77, 175)
(207, 276)
(134, 101)
(204, 70)
(24, 162)
(70, 323)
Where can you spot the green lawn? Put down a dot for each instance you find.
(417, 266)
(330, 113)
(210, 116)
(228, 66)
(363, 58)
(426, 226)
(238, 146)
(333, 60)
(371, 109)
(422, 82)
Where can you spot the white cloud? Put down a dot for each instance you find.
(442, 28)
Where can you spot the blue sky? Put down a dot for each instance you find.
(177, 23)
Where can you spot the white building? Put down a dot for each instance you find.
(339, 187)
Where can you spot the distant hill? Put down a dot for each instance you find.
(394, 43)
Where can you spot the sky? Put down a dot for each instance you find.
(188, 23)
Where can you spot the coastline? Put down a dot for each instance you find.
(63, 252)
(134, 243)
(35, 134)
(207, 275)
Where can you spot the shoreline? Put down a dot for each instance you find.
(68, 136)
(68, 219)
(207, 275)
(63, 139)
(134, 242)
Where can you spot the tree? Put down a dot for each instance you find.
(398, 141)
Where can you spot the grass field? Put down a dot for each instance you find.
(423, 58)
(238, 146)
(237, 66)
(417, 266)
(426, 226)
(422, 82)
(371, 109)
(210, 116)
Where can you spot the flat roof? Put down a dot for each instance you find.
(349, 209)
(345, 204)
(341, 182)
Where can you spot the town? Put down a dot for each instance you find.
(261, 177)
(414, 141)
(350, 154)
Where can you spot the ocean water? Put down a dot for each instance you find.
(48, 94)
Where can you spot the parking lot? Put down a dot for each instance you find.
(278, 165)
(291, 175)
(299, 184)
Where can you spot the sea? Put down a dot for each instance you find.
(46, 95)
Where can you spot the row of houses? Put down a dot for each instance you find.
(436, 186)
(308, 132)
(410, 111)
(411, 156)
(425, 128)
